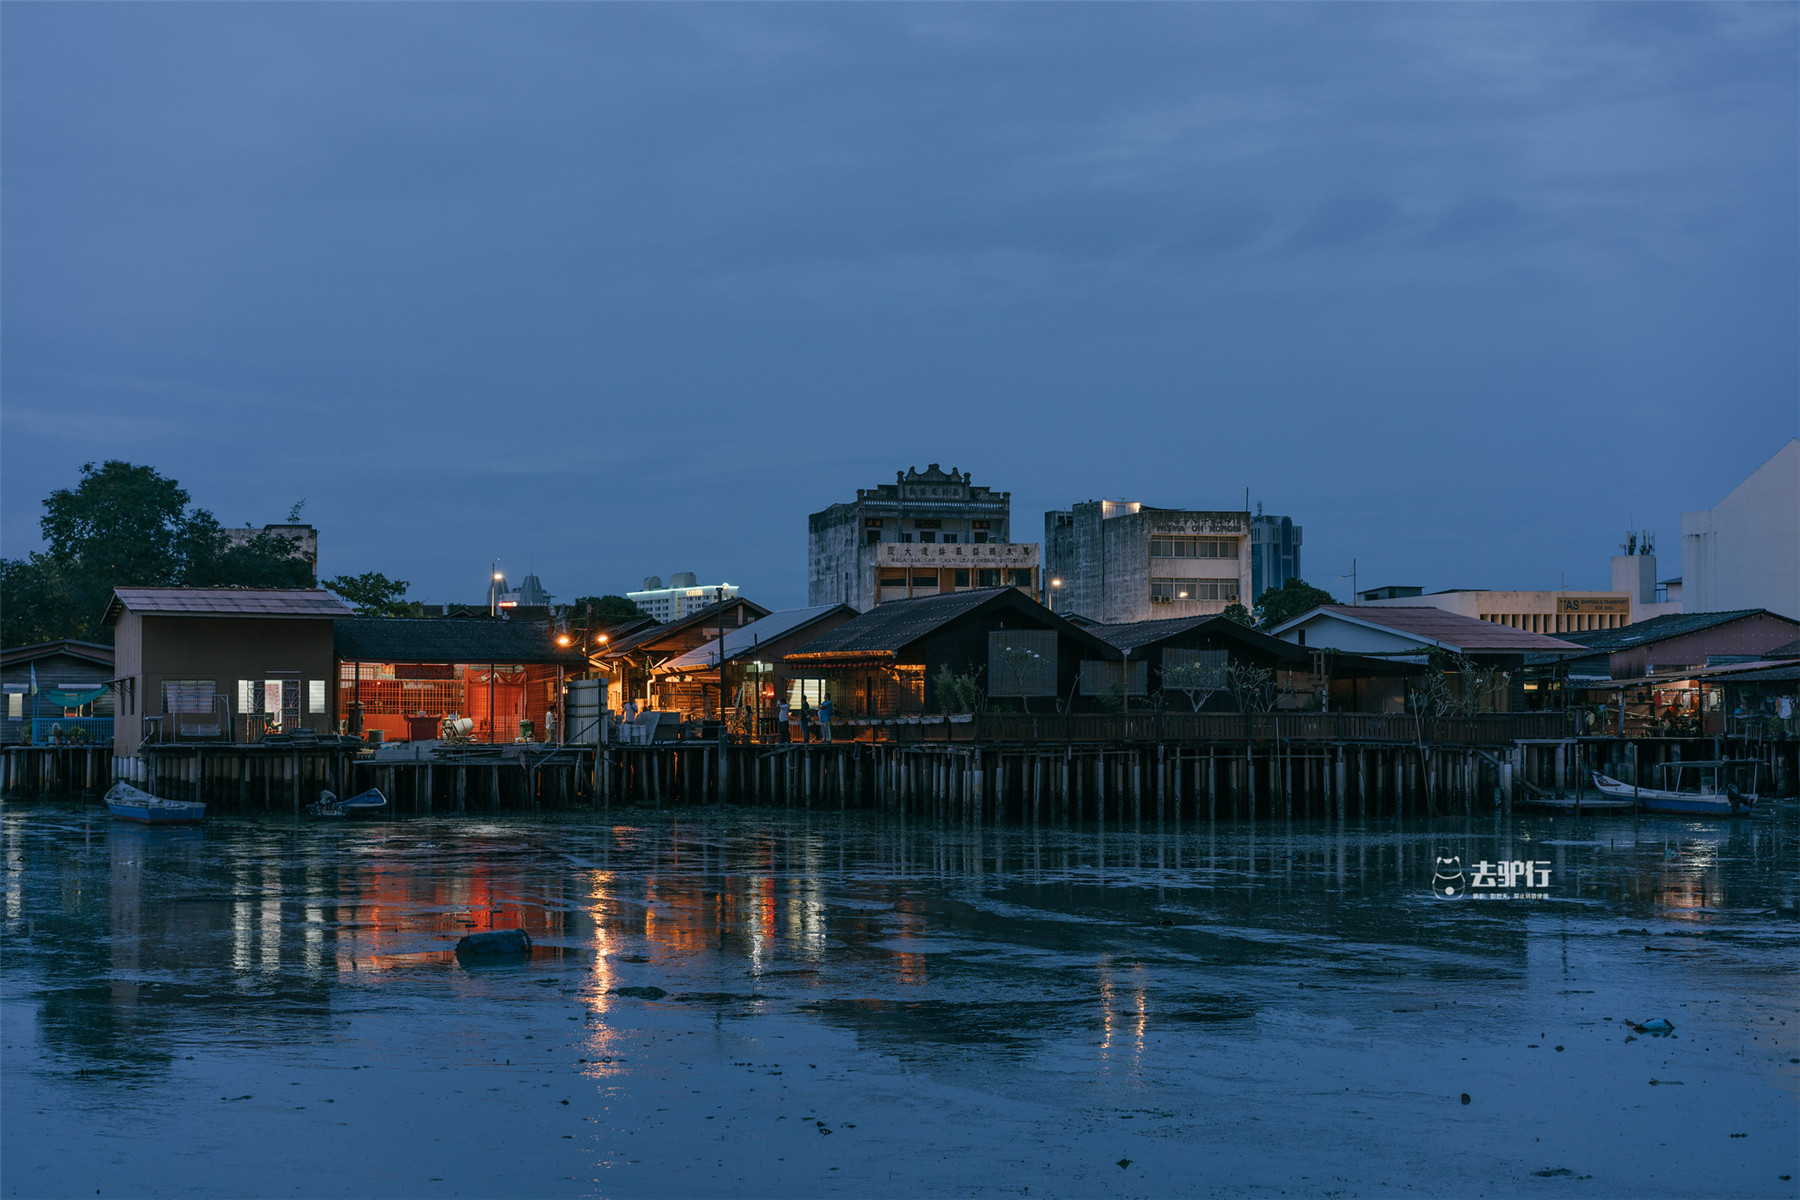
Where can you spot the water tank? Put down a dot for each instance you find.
(652, 582)
(587, 697)
(684, 579)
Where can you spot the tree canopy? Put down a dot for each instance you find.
(126, 525)
(607, 610)
(373, 594)
(1290, 600)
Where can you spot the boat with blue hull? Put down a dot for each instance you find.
(127, 803)
(1706, 798)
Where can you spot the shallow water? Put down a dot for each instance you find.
(757, 1003)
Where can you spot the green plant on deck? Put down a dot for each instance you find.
(958, 693)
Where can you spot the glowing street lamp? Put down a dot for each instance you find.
(1055, 586)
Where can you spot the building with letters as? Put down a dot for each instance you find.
(928, 533)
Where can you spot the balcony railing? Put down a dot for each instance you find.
(71, 731)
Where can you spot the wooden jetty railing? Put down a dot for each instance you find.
(1487, 729)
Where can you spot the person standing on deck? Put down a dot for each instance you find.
(825, 719)
(805, 722)
(781, 722)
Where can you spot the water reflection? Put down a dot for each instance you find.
(909, 934)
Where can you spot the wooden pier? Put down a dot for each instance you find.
(1289, 768)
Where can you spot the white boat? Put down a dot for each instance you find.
(1704, 800)
(127, 803)
(363, 802)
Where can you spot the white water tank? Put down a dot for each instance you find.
(684, 579)
(587, 701)
(652, 582)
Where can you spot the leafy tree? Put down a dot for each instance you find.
(607, 610)
(1290, 600)
(1237, 612)
(373, 594)
(126, 525)
(36, 604)
(958, 693)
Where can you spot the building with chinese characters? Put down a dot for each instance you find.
(928, 533)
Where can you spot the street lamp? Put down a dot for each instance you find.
(1055, 586)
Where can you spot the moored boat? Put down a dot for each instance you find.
(1705, 800)
(363, 802)
(127, 803)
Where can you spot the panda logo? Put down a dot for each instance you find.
(1447, 881)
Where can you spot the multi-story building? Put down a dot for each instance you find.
(1533, 612)
(1744, 551)
(928, 532)
(684, 595)
(1120, 561)
(1274, 552)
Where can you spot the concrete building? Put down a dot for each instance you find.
(684, 594)
(1533, 612)
(1116, 562)
(1274, 553)
(1634, 574)
(221, 664)
(927, 533)
(1744, 551)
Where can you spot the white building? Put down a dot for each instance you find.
(1744, 551)
(1532, 612)
(684, 595)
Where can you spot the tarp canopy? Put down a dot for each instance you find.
(71, 699)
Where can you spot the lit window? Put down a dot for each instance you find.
(315, 695)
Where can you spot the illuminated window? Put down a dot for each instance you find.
(315, 695)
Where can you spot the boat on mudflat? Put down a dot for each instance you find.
(363, 802)
(127, 803)
(1703, 800)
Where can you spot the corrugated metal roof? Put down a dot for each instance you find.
(1658, 629)
(94, 652)
(1447, 628)
(746, 639)
(887, 629)
(1137, 634)
(226, 602)
(449, 640)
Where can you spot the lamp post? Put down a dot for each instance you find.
(1055, 587)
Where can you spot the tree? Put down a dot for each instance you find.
(1198, 681)
(1237, 612)
(126, 525)
(373, 594)
(608, 611)
(1288, 601)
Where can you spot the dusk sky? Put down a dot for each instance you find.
(616, 290)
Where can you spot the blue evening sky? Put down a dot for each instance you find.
(614, 290)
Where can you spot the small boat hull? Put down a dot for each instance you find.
(127, 803)
(363, 802)
(1730, 803)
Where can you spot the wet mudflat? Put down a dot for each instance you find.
(775, 1004)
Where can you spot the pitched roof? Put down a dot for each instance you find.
(1657, 629)
(448, 640)
(225, 602)
(1138, 634)
(1440, 627)
(95, 652)
(890, 627)
(748, 639)
(620, 647)
(1791, 650)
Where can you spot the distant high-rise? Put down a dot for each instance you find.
(1116, 561)
(1274, 553)
(684, 594)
